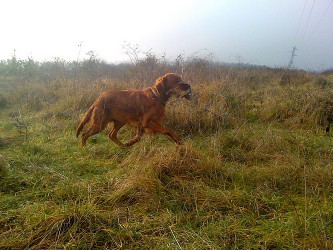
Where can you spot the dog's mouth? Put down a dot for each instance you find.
(188, 94)
(182, 90)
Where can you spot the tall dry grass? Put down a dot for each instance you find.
(223, 95)
(254, 171)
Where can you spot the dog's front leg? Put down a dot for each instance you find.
(137, 138)
(113, 134)
(155, 127)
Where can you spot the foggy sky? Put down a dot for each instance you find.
(252, 31)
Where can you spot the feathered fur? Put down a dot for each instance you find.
(138, 108)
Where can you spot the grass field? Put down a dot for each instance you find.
(255, 170)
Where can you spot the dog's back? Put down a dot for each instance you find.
(128, 106)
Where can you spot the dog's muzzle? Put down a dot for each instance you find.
(188, 94)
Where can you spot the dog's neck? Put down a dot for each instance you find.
(163, 99)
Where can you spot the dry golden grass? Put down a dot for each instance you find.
(254, 171)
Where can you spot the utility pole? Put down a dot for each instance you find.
(291, 62)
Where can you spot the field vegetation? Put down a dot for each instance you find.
(254, 170)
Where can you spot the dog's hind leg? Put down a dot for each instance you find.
(137, 138)
(98, 125)
(113, 134)
(93, 130)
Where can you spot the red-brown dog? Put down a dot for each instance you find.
(142, 109)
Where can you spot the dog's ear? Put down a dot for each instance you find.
(161, 84)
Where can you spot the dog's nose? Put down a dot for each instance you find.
(186, 85)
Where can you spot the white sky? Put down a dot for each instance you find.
(258, 31)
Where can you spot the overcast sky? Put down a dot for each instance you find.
(254, 31)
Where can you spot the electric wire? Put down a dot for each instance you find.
(320, 20)
(300, 21)
(307, 23)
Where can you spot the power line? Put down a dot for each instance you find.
(300, 21)
(307, 23)
(293, 52)
(321, 19)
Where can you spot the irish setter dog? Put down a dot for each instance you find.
(142, 109)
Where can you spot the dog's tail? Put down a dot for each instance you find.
(86, 119)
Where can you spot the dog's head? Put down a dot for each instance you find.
(171, 85)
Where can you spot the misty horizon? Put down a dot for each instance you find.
(251, 32)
